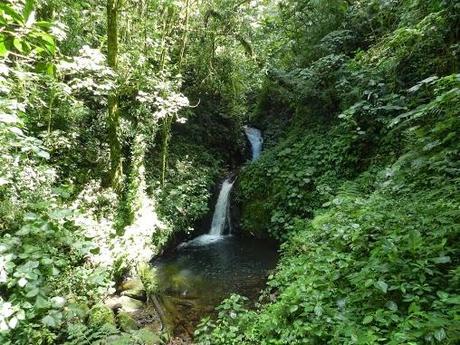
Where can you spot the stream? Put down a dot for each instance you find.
(202, 272)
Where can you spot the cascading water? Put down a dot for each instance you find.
(221, 219)
(255, 138)
(202, 272)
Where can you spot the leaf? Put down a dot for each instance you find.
(442, 260)
(18, 44)
(60, 214)
(392, 306)
(368, 319)
(12, 13)
(41, 303)
(28, 10)
(13, 322)
(3, 49)
(318, 310)
(43, 154)
(440, 334)
(16, 131)
(30, 20)
(49, 321)
(293, 308)
(381, 285)
(32, 293)
(21, 315)
(416, 87)
(368, 283)
(22, 282)
(58, 301)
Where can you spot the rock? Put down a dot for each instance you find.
(124, 303)
(130, 305)
(127, 322)
(113, 302)
(133, 288)
(100, 315)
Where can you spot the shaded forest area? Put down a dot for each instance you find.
(119, 118)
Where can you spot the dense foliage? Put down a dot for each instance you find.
(360, 180)
(91, 93)
(119, 117)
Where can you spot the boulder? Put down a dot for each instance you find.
(124, 303)
(133, 288)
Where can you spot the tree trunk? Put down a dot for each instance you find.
(167, 122)
(113, 120)
(184, 38)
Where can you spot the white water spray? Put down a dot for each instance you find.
(221, 217)
(255, 138)
(221, 220)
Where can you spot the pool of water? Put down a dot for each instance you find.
(204, 271)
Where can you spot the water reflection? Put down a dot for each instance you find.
(196, 278)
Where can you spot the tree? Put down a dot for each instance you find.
(113, 119)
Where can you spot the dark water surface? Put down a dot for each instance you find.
(206, 270)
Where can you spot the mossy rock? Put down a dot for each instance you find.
(134, 288)
(126, 322)
(130, 305)
(100, 315)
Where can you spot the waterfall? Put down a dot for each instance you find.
(221, 217)
(221, 213)
(255, 138)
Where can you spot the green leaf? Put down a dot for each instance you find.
(381, 285)
(43, 154)
(32, 293)
(12, 13)
(28, 9)
(18, 44)
(293, 308)
(42, 303)
(442, 260)
(60, 214)
(368, 319)
(13, 322)
(318, 310)
(49, 321)
(440, 334)
(3, 49)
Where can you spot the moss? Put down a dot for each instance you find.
(133, 288)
